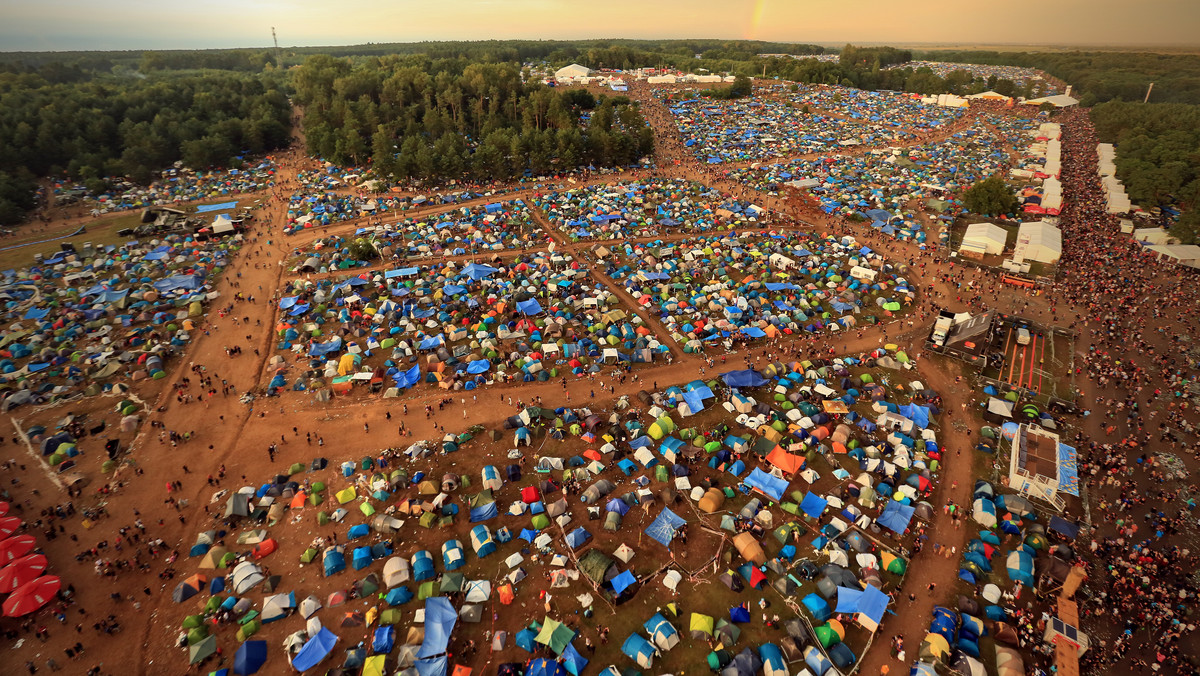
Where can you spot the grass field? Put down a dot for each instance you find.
(98, 233)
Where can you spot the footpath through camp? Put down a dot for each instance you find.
(644, 422)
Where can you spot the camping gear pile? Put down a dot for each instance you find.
(758, 285)
(536, 317)
(748, 130)
(643, 208)
(178, 185)
(81, 321)
(492, 227)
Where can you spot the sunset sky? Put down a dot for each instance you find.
(174, 24)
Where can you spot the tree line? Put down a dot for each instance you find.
(131, 127)
(1103, 76)
(1158, 156)
(438, 119)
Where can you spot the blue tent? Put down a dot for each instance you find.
(398, 596)
(638, 649)
(385, 638)
(314, 650)
(361, 558)
(744, 378)
(739, 614)
(664, 526)
(577, 537)
(334, 562)
(250, 657)
(544, 667)
(818, 607)
(772, 658)
(422, 566)
(530, 307)
(617, 505)
(482, 541)
(896, 516)
(359, 531)
(768, 484)
(440, 618)
(573, 661)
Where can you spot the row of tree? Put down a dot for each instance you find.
(135, 127)
(416, 118)
(874, 76)
(1103, 76)
(1158, 156)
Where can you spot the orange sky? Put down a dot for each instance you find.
(165, 24)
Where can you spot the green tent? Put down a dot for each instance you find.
(389, 616)
(428, 519)
(308, 555)
(555, 635)
(540, 521)
(427, 590)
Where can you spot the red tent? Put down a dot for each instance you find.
(23, 570)
(265, 548)
(32, 595)
(757, 578)
(15, 547)
(529, 494)
(9, 525)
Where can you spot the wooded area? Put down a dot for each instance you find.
(416, 118)
(1158, 155)
(99, 127)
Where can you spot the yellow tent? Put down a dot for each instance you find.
(346, 495)
(374, 665)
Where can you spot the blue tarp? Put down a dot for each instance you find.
(322, 349)
(918, 414)
(664, 526)
(896, 516)
(479, 366)
(767, 483)
(385, 638)
(484, 512)
(314, 650)
(478, 272)
(744, 378)
(530, 307)
(440, 618)
(174, 282)
(813, 505)
(430, 343)
(622, 582)
(208, 208)
(871, 602)
(436, 666)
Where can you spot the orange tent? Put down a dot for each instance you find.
(506, 594)
(460, 670)
(787, 462)
(299, 500)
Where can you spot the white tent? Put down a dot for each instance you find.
(1038, 241)
(987, 238)
(571, 72)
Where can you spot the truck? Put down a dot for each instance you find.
(941, 327)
